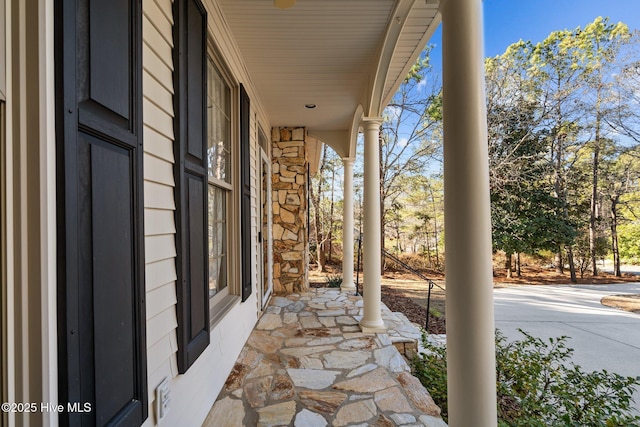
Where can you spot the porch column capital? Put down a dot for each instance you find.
(372, 123)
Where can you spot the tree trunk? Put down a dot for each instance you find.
(396, 232)
(572, 265)
(594, 199)
(429, 251)
(596, 166)
(614, 237)
(508, 265)
(330, 245)
(329, 252)
(435, 234)
(560, 193)
(317, 220)
(518, 269)
(559, 262)
(383, 227)
(322, 261)
(318, 234)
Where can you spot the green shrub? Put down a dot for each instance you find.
(334, 281)
(538, 386)
(435, 312)
(431, 369)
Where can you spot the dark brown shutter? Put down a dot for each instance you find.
(245, 188)
(191, 180)
(102, 322)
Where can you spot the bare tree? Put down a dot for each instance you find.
(410, 135)
(315, 192)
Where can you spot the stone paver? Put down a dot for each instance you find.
(307, 364)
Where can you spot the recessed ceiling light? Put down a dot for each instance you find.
(310, 106)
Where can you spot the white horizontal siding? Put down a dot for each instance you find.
(156, 41)
(166, 8)
(158, 170)
(255, 259)
(157, 93)
(159, 247)
(162, 146)
(160, 273)
(157, 119)
(158, 324)
(161, 299)
(159, 203)
(160, 70)
(159, 20)
(158, 196)
(158, 222)
(159, 353)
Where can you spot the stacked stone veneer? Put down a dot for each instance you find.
(289, 191)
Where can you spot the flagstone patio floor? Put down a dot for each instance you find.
(306, 364)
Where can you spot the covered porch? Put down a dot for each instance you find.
(332, 78)
(307, 363)
(324, 70)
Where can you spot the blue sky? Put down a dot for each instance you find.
(507, 21)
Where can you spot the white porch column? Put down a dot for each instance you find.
(347, 228)
(372, 318)
(469, 282)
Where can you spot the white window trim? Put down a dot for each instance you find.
(224, 300)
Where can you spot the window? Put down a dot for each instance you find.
(212, 187)
(220, 184)
(224, 228)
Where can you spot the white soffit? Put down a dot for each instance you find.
(414, 37)
(323, 52)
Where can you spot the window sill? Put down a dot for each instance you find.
(218, 311)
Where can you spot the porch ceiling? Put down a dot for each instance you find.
(336, 54)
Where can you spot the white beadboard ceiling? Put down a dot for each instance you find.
(327, 52)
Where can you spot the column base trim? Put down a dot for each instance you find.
(349, 287)
(372, 327)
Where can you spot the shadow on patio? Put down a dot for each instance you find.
(307, 364)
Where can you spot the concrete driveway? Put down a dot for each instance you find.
(602, 337)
